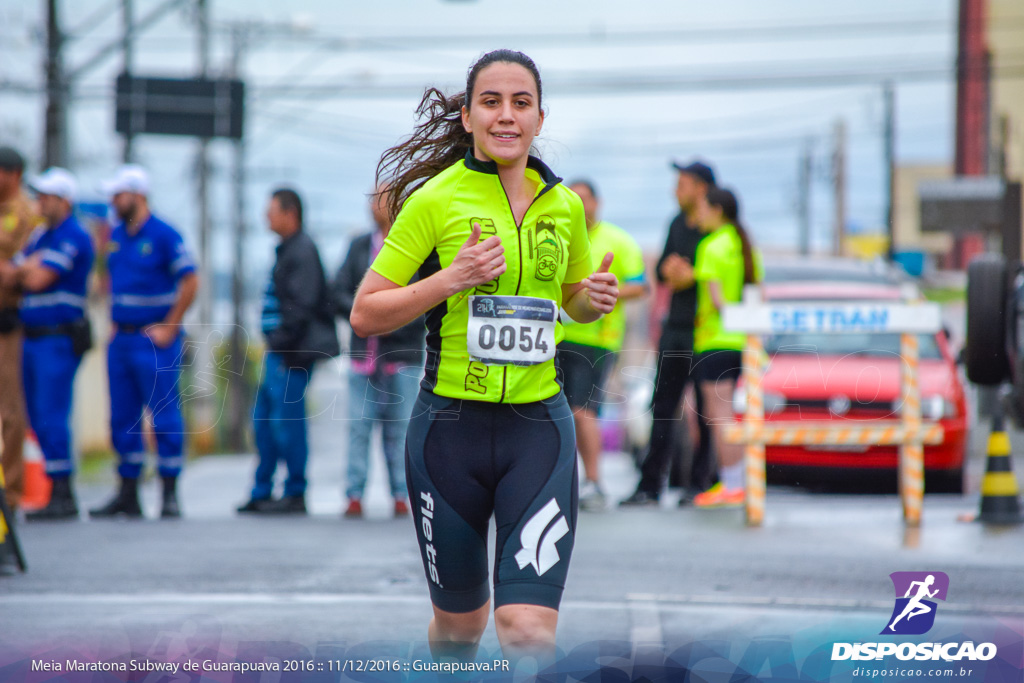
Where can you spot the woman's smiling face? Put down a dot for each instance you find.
(504, 114)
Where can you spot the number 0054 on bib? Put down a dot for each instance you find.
(511, 330)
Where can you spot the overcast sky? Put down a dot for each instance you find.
(745, 84)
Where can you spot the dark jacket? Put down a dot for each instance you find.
(677, 330)
(297, 320)
(404, 345)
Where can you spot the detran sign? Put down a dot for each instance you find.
(832, 318)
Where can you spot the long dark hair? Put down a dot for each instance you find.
(730, 206)
(440, 140)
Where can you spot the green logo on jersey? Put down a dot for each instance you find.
(548, 253)
(145, 248)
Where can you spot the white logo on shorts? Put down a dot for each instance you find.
(539, 537)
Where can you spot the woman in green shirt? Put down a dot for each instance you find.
(499, 244)
(725, 263)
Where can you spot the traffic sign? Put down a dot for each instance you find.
(196, 107)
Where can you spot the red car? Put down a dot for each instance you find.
(856, 378)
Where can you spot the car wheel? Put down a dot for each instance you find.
(985, 358)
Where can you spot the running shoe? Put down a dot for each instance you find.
(592, 498)
(401, 507)
(718, 496)
(354, 509)
(640, 498)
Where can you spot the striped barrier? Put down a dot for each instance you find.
(910, 432)
(806, 433)
(753, 458)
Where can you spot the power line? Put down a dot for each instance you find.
(718, 34)
(632, 83)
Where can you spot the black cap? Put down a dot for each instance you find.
(10, 160)
(696, 168)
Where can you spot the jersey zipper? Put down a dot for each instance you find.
(519, 282)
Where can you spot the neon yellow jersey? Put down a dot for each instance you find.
(719, 259)
(609, 332)
(548, 249)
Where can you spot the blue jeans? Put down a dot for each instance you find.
(48, 369)
(144, 375)
(279, 423)
(384, 399)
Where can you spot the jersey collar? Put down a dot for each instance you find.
(142, 228)
(546, 174)
(60, 227)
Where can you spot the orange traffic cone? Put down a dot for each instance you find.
(1000, 495)
(37, 484)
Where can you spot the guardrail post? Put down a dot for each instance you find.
(911, 468)
(753, 370)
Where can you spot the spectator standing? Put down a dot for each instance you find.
(675, 347)
(589, 351)
(299, 330)
(153, 282)
(384, 375)
(18, 217)
(53, 273)
(726, 262)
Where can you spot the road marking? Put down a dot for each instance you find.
(645, 620)
(643, 608)
(665, 600)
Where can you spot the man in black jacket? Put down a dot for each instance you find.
(299, 330)
(675, 348)
(383, 377)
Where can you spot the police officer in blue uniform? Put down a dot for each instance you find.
(53, 272)
(153, 281)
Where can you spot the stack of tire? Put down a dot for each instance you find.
(995, 309)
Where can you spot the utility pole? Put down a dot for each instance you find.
(889, 94)
(804, 198)
(839, 186)
(203, 177)
(238, 395)
(127, 49)
(55, 140)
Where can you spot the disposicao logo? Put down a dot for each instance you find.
(914, 612)
(913, 615)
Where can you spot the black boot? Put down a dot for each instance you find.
(126, 502)
(62, 503)
(170, 509)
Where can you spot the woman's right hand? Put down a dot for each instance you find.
(477, 262)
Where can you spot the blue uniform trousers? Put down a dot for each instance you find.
(48, 368)
(279, 424)
(145, 375)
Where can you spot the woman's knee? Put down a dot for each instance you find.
(461, 627)
(525, 625)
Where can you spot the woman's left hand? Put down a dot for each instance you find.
(602, 287)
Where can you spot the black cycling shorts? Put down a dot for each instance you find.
(583, 372)
(468, 460)
(718, 365)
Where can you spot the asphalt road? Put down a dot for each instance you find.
(819, 566)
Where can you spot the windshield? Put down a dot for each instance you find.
(858, 344)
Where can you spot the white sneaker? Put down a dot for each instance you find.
(592, 497)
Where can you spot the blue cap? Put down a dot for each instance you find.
(696, 168)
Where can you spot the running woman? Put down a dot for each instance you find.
(725, 263)
(499, 244)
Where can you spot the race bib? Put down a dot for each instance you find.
(511, 330)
